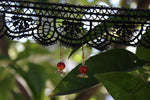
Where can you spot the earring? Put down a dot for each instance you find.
(83, 69)
(61, 65)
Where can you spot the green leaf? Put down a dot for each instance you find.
(31, 49)
(110, 61)
(143, 53)
(95, 2)
(145, 72)
(124, 86)
(4, 95)
(143, 93)
(51, 73)
(6, 79)
(120, 85)
(17, 96)
(4, 60)
(35, 76)
(72, 52)
(2, 57)
(7, 82)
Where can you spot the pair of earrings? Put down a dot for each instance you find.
(83, 69)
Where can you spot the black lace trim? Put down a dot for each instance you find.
(72, 25)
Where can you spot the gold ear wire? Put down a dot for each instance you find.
(83, 57)
(60, 51)
(83, 69)
(60, 65)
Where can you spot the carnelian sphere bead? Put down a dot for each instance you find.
(60, 65)
(83, 69)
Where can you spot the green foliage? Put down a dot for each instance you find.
(143, 53)
(7, 82)
(17, 96)
(124, 86)
(110, 61)
(51, 73)
(31, 49)
(73, 51)
(35, 77)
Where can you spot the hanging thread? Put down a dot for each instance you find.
(83, 57)
(60, 65)
(60, 51)
(83, 69)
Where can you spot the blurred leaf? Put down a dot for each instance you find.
(4, 95)
(143, 53)
(145, 72)
(124, 86)
(2, 57)
(7, 83)
(72, 52)
(6, 79)
(110, 61)
(51, 73)
(31, 49)
(86, 2)
(17, 96)
(143, 92)
(4, 60)
(35, 77)
(87, 51)
(40, 0)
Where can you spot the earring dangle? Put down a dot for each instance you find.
(60, 65)
(83, 69)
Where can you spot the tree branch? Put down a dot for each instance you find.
(143, 4)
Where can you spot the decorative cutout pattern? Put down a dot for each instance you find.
(98, 26)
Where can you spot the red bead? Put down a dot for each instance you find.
(60, 65)
(83, 69)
